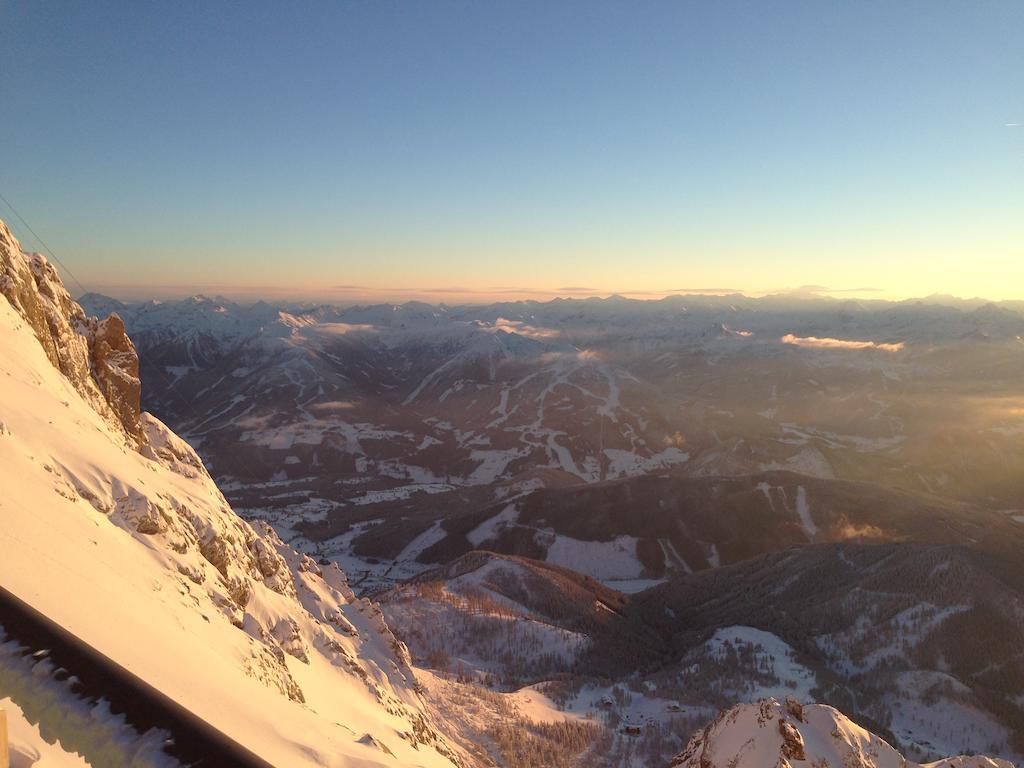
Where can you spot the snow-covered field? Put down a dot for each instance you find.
(770, 654)
(604, 560)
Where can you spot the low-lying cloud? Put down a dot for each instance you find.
(334, 406)
(704, 291)
(859, 531)
(340, 329)
(524, 329)
(814, 342)
(823, 290)
(739, 332)
(578, 356)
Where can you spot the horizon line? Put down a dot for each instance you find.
(248, 295)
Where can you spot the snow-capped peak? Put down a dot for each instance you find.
(772, 734)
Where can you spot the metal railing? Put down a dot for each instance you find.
(193, 742)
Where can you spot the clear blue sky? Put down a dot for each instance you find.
(467, 148)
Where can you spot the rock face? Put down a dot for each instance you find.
(792, 742)
(96, 356)
(772, 735)
(115, 367)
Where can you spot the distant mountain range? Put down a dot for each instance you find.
(355, 431)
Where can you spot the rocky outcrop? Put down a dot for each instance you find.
(96, 356)
(792, 742)
(115, 367)
(795, 708)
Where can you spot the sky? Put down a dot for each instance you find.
(467, 151)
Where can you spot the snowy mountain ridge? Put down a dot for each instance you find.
(113, 528)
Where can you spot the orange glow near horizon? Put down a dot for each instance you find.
(349, 295)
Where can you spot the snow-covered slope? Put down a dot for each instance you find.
(768, 734)
(111, 526)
